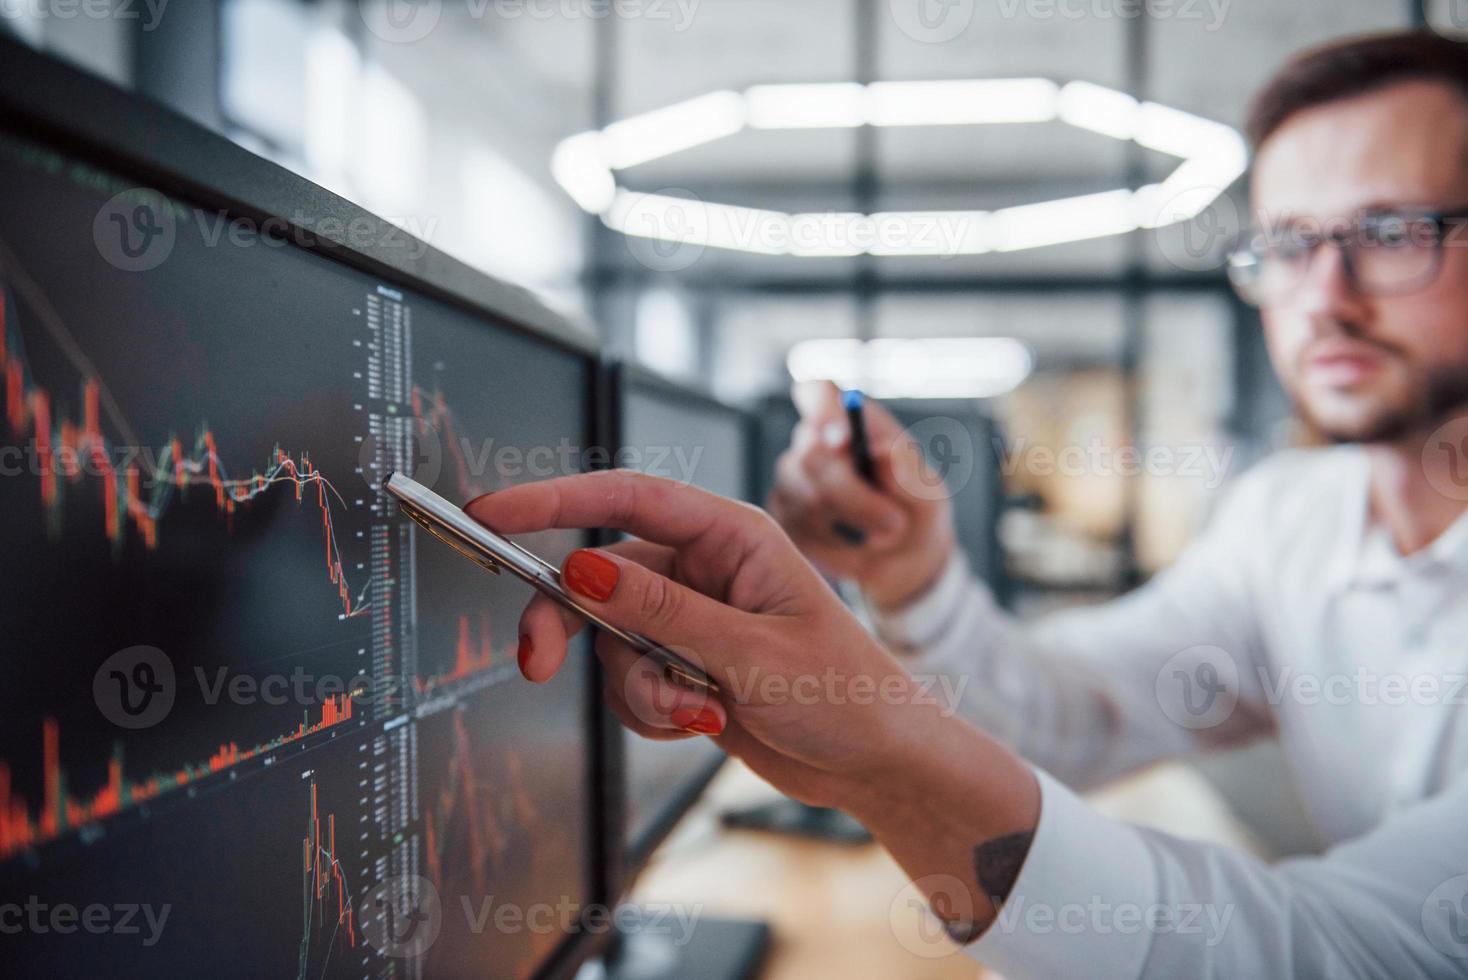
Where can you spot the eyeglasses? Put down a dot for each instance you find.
(1383, 253)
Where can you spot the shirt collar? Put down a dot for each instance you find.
(1369, 558)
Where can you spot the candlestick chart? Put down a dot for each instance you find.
(189, 464)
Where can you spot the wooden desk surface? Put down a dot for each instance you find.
(842, 911)
(835, 910)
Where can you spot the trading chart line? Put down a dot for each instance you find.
(67, 451)
(62, 812)
(322, 879)
(432, 412)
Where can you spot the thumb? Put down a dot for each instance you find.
(634, 597)
(817, 401)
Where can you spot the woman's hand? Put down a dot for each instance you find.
(808, 698)
(905, 530)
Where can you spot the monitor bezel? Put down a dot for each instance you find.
(630, 858)
(87, 117)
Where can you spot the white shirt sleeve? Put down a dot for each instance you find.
(1095, 693)
(1130, 902)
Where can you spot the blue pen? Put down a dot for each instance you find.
(861, 458)
(861, 449)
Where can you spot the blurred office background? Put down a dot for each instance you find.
(446, 117)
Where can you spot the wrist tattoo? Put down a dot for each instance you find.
(997, 863)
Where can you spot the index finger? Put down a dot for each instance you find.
(654, 509)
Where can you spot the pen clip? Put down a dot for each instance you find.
(479, 558)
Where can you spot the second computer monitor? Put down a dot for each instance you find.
(671, 431)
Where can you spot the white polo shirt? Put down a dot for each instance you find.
(1293, 613)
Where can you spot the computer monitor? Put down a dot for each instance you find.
(253, 723)
(673, 431)
(676, 432)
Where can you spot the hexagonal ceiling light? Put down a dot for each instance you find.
(1213, 156)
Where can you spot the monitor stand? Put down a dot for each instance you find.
(787, 816)
(658, 949)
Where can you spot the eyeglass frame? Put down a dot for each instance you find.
(1346, 240)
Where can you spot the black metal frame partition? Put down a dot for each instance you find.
(44, 99)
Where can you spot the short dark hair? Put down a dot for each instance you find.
(1356, 66)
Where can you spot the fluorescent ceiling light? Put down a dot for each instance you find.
(1213, 156)
(829, 235)
(681, 221)
(839, 104)
(576, 165)
(1099, 109)
(934, 233)
(677, 127)
(892, 367)
(1185, 194)
(1184, 135)
(961, 103)
(1070, 219)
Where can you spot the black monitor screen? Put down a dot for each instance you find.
(684, 437)
(252, 723)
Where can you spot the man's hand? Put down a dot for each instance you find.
(906, 539)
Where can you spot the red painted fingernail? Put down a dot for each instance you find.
(701, 721)
(526, 648)
(592, 574)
